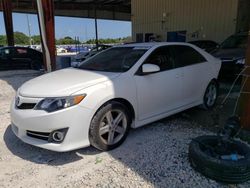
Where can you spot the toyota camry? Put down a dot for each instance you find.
(123, 87)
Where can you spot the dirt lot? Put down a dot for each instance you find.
(152, 156)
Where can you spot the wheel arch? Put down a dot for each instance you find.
(203, 98)
(123, 101)
(216, 81)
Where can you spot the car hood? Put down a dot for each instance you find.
(229, 54)
(63, 83)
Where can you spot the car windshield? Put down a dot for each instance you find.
(117, 59)
(235, 41)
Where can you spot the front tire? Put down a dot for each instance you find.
(211, 95)
(109, 126)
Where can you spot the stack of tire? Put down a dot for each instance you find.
(227, 171)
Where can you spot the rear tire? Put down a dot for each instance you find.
(109, 126)
(210, 96)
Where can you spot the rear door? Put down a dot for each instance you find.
(195, 70)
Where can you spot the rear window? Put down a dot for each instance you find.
(186, 55)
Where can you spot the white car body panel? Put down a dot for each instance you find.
(152, 97)
(59, 83)
(154, 100)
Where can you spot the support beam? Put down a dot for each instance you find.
(7, 13)
(47, 29)
(244, 110)
(96, 29)
(81, 9)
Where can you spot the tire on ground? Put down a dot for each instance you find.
(221, 170)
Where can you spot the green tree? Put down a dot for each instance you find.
(110, 41)
(3, 40)
(127, 39)
(36, 39)
(66, 40)
(21, 38)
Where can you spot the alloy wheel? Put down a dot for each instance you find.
(211, 95)
(113, 127)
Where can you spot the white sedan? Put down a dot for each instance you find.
(120, 88)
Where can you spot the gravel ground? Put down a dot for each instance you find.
(152, 156)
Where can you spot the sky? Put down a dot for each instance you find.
(73, 27)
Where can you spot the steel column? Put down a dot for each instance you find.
(244, 110)
(7, 13)
(47, 29)
(96, 29)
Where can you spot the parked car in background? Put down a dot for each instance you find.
(232, 52)
(20, 58)
(61, 50)
(122, 87)
(207, 45)
(79, 49)
(85, 55)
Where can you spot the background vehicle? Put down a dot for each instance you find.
(122, 87)
(85, 55)
(61, 50)
(232, 52)
(20, 58)
(207, 45)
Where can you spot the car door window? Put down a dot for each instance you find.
(186, 55)
(162, 57)
(21, 53)
(7, 53)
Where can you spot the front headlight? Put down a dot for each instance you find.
(54, 104)
(240, 61)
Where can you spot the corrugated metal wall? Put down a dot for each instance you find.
(202, 19)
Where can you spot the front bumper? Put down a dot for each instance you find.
(77, 119)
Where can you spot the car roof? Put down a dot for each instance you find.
(153, 44)
(8, 47)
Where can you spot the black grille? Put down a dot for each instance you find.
(38, 135)
(26, 106)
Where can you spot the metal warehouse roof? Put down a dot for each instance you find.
(106, 9)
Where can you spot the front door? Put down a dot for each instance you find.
(159, 92)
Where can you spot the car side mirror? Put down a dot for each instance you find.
(150, 68)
